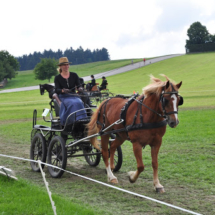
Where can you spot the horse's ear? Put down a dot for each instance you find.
(42, 89)
(179, 85)
(167, 84)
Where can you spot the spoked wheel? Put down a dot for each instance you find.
(93, 156)
(57, 156)
(38, 151)
(117, 156)
(95, 100)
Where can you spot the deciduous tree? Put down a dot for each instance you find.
(45, 69)
(8, 65)
(197, 33)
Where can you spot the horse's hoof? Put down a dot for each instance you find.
(130, 174)
(114, 181)
(160, 190)
(131, 181)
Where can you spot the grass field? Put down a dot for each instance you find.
(186, 158)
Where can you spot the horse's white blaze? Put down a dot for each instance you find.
(174, 105)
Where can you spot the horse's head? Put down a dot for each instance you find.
(170, 100)
(49, 88)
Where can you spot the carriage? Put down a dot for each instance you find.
(48, 143)
(96, 95)
(141, 119)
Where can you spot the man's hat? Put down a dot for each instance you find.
(63, 60)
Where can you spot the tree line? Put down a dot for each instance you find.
(78, 56)
(200, 40)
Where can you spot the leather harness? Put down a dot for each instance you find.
(134, 126)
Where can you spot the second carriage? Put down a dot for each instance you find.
(96, 95)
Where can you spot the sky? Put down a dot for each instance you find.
(126, 28)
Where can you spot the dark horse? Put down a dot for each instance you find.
(144, 124)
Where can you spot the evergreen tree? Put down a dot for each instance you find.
(79, 56)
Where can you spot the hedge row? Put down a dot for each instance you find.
(207, 47)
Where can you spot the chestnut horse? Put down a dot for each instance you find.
(144, 124)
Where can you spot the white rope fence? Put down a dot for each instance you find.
(99, 182)
(47, 187)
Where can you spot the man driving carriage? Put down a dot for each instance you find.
(65, 85)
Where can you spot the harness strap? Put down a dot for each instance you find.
(140, 107)
(146, 126)
(98, 122)
(150, 109)
(135, 116)
(137, 127)
(125, 108)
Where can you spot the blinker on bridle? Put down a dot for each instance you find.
(163, 100)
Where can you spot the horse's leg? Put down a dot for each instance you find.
(133, 175)
(154, 154)
(117, 142)
(105, 155)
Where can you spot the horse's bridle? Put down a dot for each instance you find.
(163, 100)
(163, 103)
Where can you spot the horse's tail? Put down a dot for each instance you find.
(93, 129)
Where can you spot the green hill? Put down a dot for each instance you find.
(196, 71)
(26, 78)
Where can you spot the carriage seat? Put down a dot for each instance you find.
(57, 103)
(95, 87)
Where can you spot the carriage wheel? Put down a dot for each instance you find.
(57, 156)
(95, 100)
(92, 160)
(38, 151)
(117, 156)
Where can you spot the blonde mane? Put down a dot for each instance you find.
(156, 86)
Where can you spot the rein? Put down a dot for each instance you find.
(163, 116)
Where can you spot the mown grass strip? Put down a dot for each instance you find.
(22, 197)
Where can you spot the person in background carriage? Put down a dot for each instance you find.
(65, 84)
(103, 84)
(82, 82)
(89, 86)
(84, 96)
